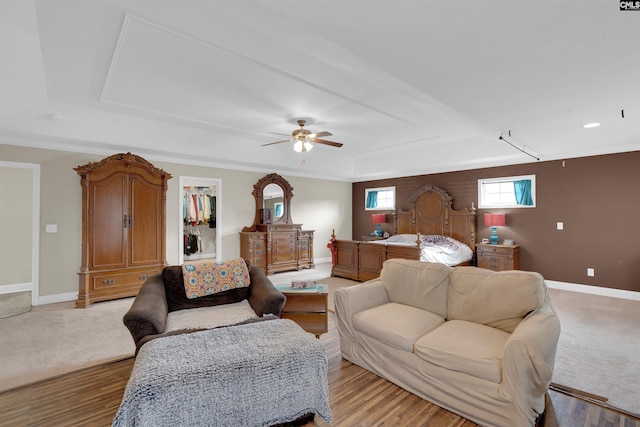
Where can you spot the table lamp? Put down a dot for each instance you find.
(379, 219)
(493, 221)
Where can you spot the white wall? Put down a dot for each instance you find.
(317, 204)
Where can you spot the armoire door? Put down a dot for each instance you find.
(107, 221)
(145, 246)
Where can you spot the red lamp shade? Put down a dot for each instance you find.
(494, 220)
(378, 218)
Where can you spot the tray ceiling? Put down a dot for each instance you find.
(408, 87)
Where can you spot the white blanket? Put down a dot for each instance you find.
(433, 248)
(259, 374)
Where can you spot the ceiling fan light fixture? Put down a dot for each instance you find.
(301, 146)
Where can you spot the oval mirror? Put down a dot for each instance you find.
(272, 192)
(273, 199)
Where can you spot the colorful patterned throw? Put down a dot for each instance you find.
(208, 277)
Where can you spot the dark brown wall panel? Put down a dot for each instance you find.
(597, 198)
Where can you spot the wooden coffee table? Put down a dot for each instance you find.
(307, 307)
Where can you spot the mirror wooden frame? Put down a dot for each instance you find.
(258, 190)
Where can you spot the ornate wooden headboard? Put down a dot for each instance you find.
(431, 213)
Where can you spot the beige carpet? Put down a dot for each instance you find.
(599, 347)
(57, 338)
(598, 351)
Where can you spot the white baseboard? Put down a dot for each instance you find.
(594, 290)
(52, 299)
(15, 287)
(321, 260)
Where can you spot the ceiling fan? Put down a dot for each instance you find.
(304, 138)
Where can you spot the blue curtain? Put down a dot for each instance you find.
(523, 192)
(372, 199)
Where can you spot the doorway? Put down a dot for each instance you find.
(20, 236)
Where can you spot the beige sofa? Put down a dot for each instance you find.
(479, 343)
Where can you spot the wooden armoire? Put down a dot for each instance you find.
(123, 226)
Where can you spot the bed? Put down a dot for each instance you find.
(431, 220)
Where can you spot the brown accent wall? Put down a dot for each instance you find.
(597, 198)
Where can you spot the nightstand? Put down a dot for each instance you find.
(498, 257)
(308, 309)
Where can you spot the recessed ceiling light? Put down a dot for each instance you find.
(591, 125)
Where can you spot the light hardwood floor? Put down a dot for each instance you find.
(91, 397)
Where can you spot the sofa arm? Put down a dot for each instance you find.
(528, 360)
(264, 298)
(148, 313)
(351, 300)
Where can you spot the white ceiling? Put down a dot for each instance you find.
(409, 87)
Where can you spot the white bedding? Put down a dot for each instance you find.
(433, 248)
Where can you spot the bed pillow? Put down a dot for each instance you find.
(208, 277)
(402, 238)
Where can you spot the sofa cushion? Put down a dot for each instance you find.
(210, 317)
(466, 347)
(397, 325)
(497, 299)
(418, 284)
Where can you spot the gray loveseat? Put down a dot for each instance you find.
(479, 343)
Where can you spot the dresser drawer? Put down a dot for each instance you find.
(283, 237)
(285, 257)
(315, 323)
(106, 281)
(305, 303)
(495, 249)
(283, 247)
(496, 263)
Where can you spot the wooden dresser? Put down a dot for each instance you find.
(123, 226)
(274, 243)
(498, 257)
(278, 247)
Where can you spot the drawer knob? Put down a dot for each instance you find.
(108, 281)
(144, 277)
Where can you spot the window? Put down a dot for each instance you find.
(380, 198)
(278, 209)
(507, 192)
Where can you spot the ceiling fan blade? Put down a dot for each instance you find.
(325, 142)
(277, 142)
(278, 133)
(323, 133)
